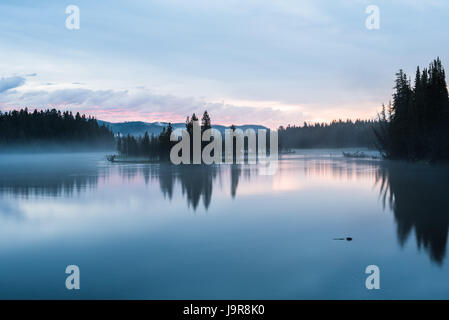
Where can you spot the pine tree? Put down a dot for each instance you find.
(205, 121)
(146, 148)
(418, 128)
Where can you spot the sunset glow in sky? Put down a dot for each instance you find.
(270, 62)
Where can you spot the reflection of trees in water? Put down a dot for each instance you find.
(236, 171)
(164, 173)
(166, 179)
(50, 185)
(341, 170)
(419, 198)
(196, 181)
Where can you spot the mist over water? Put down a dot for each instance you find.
(159, 231)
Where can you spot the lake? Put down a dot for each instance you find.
(158, 231)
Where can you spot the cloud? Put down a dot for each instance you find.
(140, 104)
(315, 56)
(295, 51)
(11, 83)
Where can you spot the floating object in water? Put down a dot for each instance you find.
(347, 239)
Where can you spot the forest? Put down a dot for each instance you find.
(337, 134)
(415, 124)
(52, 128)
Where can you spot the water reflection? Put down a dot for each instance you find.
(196, 181)
(44, 185)
(236, 171)
(45, 175)
(419, 197)
(416, 194)
(341, 170)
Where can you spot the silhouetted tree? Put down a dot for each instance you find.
(417, 127)
(205, 121)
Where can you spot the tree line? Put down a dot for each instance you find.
(415, 125)
(337, 134)
(46, 127)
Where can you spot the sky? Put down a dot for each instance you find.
(269, 62)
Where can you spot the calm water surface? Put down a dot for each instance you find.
(208, 232)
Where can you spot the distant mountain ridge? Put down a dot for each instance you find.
(138, 128)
